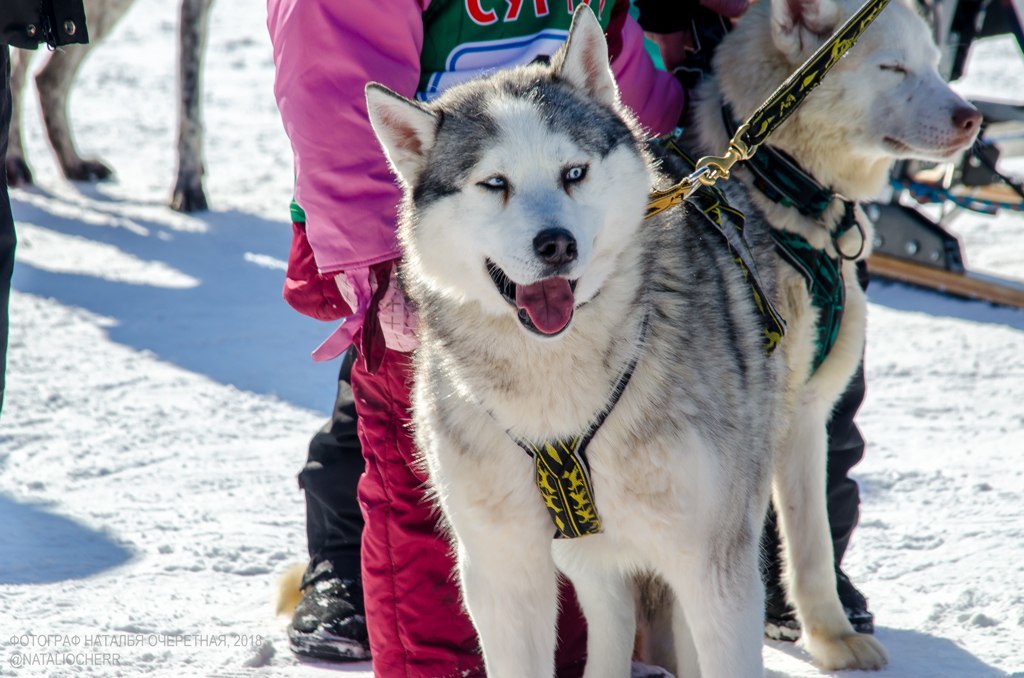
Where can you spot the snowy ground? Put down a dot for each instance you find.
(160, 399)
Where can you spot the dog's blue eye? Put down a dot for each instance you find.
(496, 183)
(574, 174)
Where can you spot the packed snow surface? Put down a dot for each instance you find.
(161, 398)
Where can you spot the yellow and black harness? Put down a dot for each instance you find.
(728, 222)
(562, 472)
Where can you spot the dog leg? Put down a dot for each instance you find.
(799, 487)
(513, 602)
(687, 664)
(605, 595)
(54, 83)
(722, 601)
(18, 172)
(656, 605)
(502, 549)
(188, 193)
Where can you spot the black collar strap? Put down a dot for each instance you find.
(781, 178)
(783, 181)
(562, 472)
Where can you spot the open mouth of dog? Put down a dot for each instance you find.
(544, 307)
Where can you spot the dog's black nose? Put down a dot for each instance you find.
(966, 118)
(555, 246)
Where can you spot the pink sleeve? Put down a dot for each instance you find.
(325, 51)
(654, 95)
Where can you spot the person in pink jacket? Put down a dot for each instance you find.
(325, 51)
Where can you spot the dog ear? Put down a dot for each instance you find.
(406, 130)
(800, 26)
(583, 60)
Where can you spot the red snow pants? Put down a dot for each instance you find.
(414, 614)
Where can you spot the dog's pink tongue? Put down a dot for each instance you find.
(549, 303)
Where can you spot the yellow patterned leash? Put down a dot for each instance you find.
(772, 113)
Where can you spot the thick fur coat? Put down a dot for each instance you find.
(681, 466)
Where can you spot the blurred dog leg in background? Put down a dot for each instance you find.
(54, 82)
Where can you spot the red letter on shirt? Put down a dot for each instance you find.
(513, 10)
(478, 15)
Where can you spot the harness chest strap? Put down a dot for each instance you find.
(562, 473)
(823, 277)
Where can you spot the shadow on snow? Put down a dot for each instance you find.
(913, 654)
(233, 326)
(39, 547)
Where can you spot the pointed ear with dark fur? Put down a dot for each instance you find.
(583, 60)
(799, 26)
(404, 128)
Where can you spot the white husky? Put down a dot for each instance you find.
(884, 100)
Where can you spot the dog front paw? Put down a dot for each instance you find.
(87, 170)
(189, 199)
(848, 651)
(18, 173)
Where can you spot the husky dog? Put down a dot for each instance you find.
(884, 100)
(548, 304)
(54, 83)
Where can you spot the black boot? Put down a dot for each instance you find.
(854, 604)
(330, 622)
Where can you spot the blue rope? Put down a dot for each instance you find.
(929, 193)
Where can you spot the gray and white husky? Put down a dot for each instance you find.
(548, 304)
(539, 283)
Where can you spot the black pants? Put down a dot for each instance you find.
(334, 523)
(7, 237)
